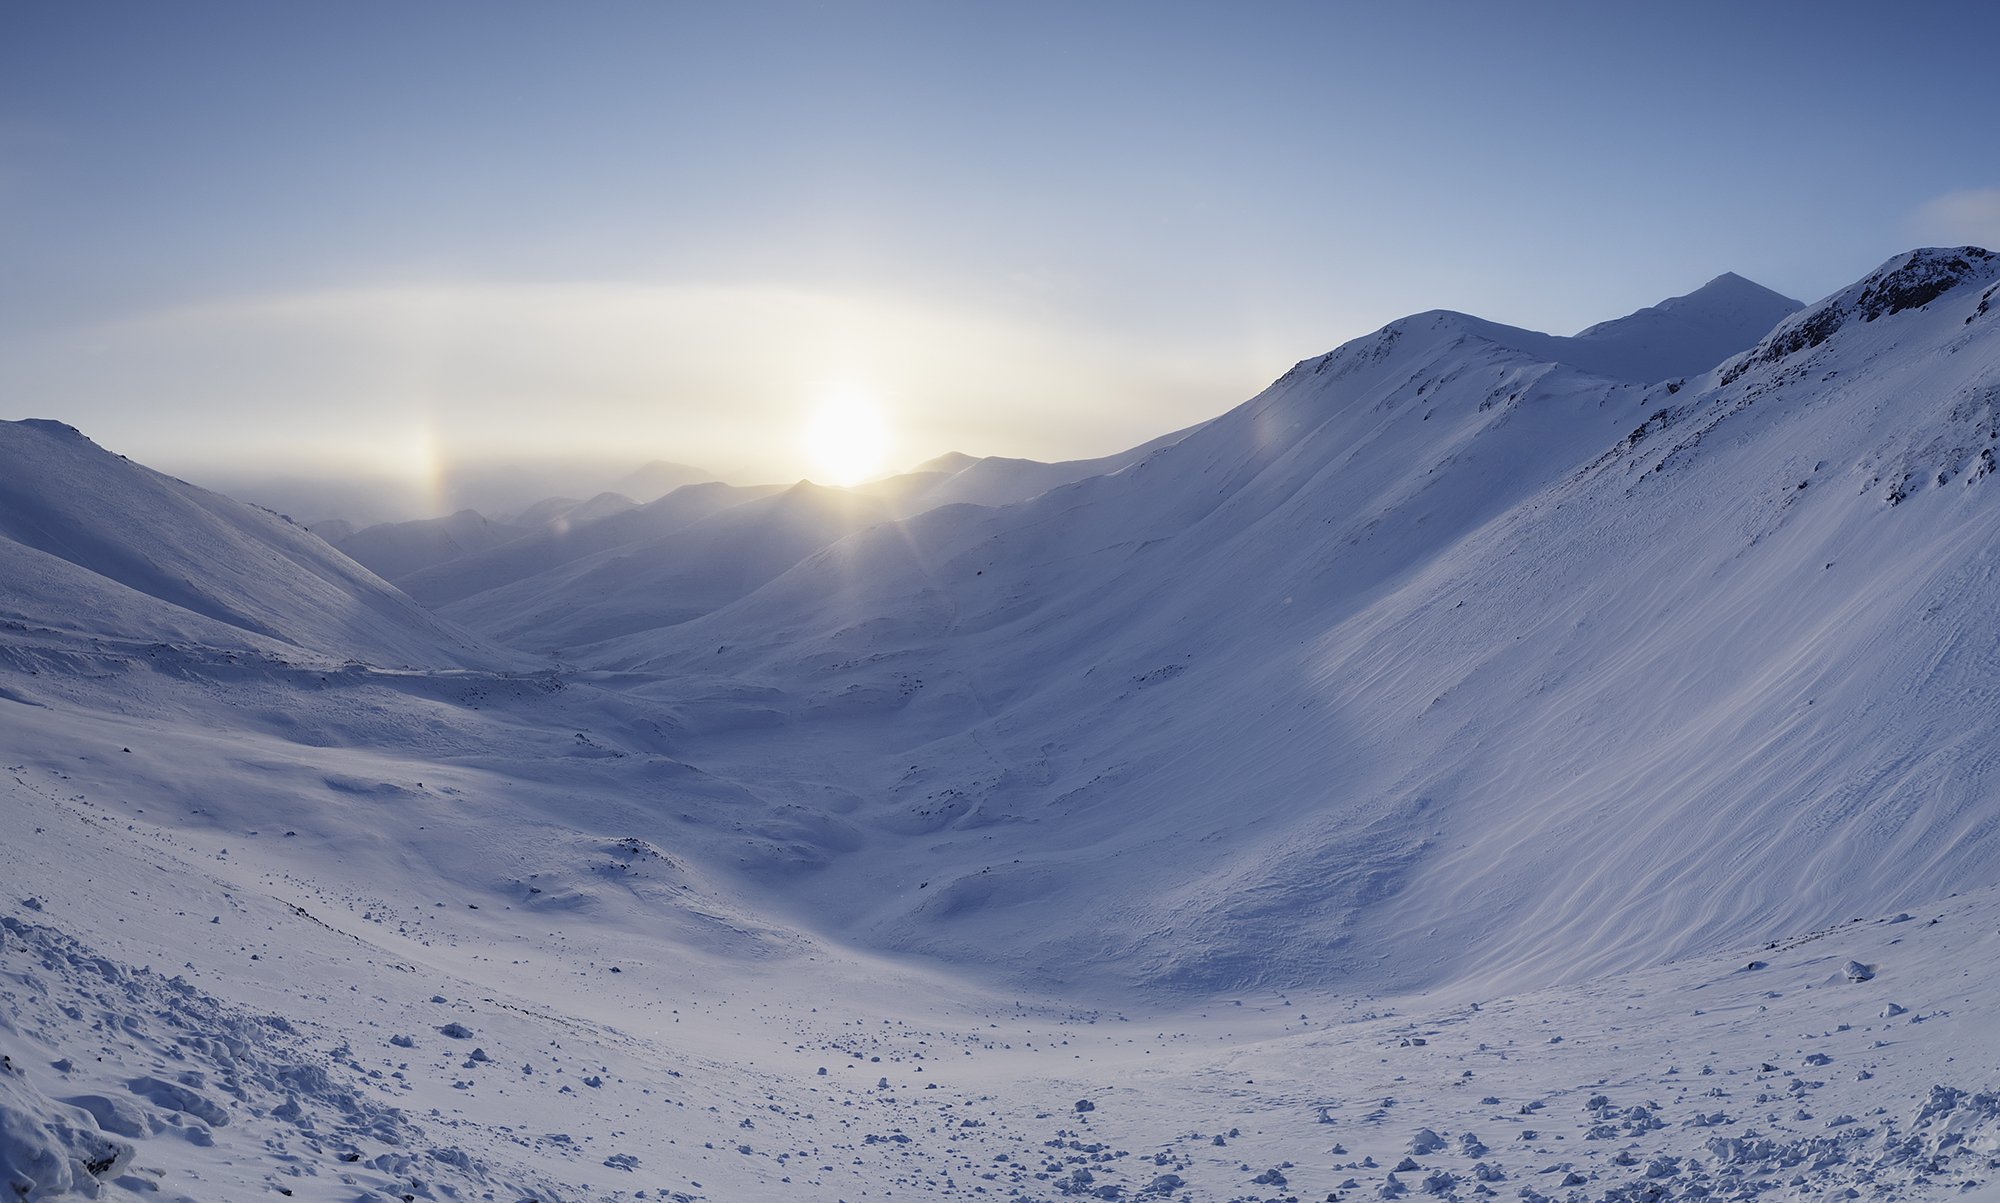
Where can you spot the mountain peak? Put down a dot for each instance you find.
(1729, 280)
(1683, 335)
(50, 426)
(950, 461)
(1728, 288)
(1916, 278)
(1728, 299)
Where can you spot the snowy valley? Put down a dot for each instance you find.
(1483, 764)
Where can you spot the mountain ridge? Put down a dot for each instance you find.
(152, 552)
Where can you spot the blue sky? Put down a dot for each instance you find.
(366, 233)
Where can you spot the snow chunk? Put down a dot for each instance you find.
(49, 1149)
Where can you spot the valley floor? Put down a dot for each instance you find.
(306, 1043)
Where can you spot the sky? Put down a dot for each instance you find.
(367, 237)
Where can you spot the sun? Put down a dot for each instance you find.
(846, 437)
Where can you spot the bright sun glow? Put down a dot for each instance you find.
(846, 437)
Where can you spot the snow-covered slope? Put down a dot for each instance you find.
(93, 546)
(436, 1039)
(1042, 703)
(1430, 638)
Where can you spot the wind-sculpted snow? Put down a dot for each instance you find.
(314, 1108)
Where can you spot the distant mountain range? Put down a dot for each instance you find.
(504, 493)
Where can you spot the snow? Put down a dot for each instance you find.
(1683, 336)
(1459, 770)
(94, 545)
(394, 550)
(957, 478)
(689, 570)
(1679, 337)
(1457, 658)
(569, 534)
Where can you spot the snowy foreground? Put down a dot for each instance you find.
(319, 1048)
(1479, 766)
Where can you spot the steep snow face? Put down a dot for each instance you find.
(1410, 671)
(1909, 281)
(1731, 689)
(96, 546)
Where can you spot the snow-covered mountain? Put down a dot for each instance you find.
(1429, 637)
(1681, 336)
(1483, 762)
(95, 547)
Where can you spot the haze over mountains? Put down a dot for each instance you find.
(1462, 665)
(565, 573)
(504, 492)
